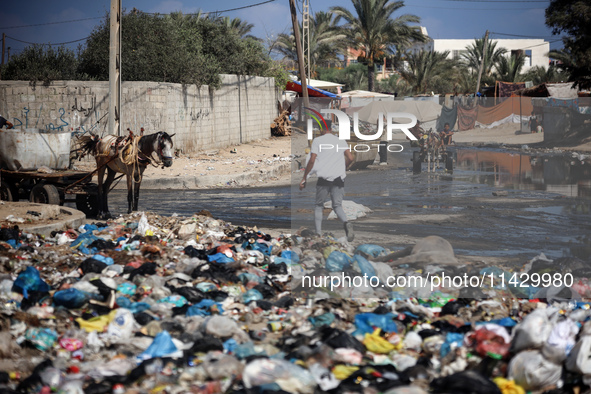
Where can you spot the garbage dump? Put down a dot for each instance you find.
(152, 304)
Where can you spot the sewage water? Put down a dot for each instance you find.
(546, 207)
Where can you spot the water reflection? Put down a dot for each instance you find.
(568, 176)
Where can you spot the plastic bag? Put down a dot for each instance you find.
(563, 337)
(325, 319)
(204, 308)
(532, 371)
(221, 326)
(579, 359)
(508, 386)
(29, 280)
(288, 376)
(291, 256)
(371, 250)
(123, 324)
(161, 346)
(104, 259)
(325, 379)
(365, 266)
(375, 343)
(42, 338)
(453, 340)
(251, 295)
(465, 382)
(532, 332)
(70, 298)
(337, 261)
(366, 323)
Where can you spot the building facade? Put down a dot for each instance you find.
(535, 50)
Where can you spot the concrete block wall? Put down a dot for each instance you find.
(240, 111)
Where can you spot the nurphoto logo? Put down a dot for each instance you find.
(345, 124)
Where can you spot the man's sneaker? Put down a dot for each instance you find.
(349, 231)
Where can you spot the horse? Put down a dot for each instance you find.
(431, 149)
(129, 156)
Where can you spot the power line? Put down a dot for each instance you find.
(501, 1)
(36, 43)
(52, 23)
(539, 45)
(520, 35)
(100, 17)
(220, 11)
(475, 9)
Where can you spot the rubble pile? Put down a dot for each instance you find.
(152, 304)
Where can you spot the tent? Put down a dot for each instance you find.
(318, 84)
(364, 93)
(425, 111)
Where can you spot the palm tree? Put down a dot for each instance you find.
(574, 65)
(375, 32)
(539, 75)
(473, 56)
(464, 80)
(326, 41)
(241, 27)
(508, 69)
(426, 69)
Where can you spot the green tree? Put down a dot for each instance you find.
(40, 63)
(427, 71)
(473, 57)
(178, 48)
(326, 41)
(354, 77)
(539, 75)
(573, 17)
(464, 80)
(374, 30)
(242, 28)
(508, 69)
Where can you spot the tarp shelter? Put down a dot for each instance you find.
(364, 93)
(554, 90)
(360, 98)
(562, 90)
(318, 84)
(312, 92)
(425, 111)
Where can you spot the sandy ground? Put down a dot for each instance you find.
(231, 160)
(263, 153)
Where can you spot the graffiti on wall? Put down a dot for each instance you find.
(79, 118)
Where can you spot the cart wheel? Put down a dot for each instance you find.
(45, 193)
(87, 203)
(8, 192)
(416, 162)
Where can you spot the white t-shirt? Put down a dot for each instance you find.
(330, 159)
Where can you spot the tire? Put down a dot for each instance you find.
(44, 193)
(87, 203)
(8, 192)
(416, 162)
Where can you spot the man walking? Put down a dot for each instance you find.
(329, 159)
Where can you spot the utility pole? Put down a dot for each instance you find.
(306, 35)
(3, 45)
(115, 69)
(481, 63)
(296, 33)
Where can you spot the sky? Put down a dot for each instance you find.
(70, 21)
